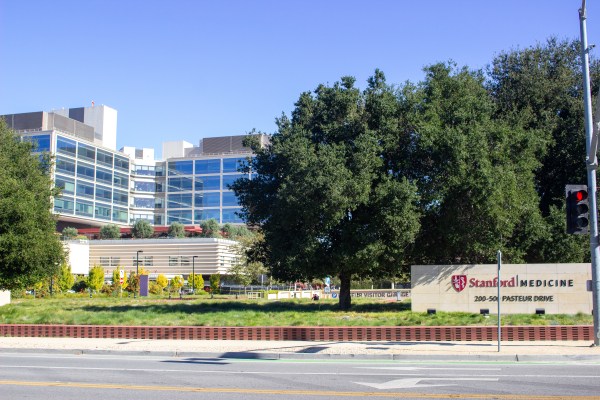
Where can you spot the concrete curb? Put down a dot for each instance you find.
(249, 355)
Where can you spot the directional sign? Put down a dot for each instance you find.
(121, 276)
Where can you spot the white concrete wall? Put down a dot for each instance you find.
(175, 149)
(4, 297)
(103, 119)
(557, 288)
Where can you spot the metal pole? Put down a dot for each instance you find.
(591, 174)
(499, 328)
(193, 274)
(137, 271)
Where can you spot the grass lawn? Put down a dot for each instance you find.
(227, 311)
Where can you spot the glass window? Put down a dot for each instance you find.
(183, 216)
(173, 261)
(211, 199)
(141, 202)
(85, 171)
(185, 260)
(230, 215)
(40, 142)
(104, 158)
(120, 197)
(103, 193)
(208, 166)
(85, 190)
(230, 199)
(203, 215)
(84, 208)
(66, 185)
(64, 205)
(148, 261)
(158, 219)
(119, 214)
(66, 146)
(159, 170)
(180, 168)
(147, 170)
(229, 179)
(183, 200)
(233, 164)
(102, 211)
(180, 184)
(208, 183)
(103, 175)
(121, 180)
(105, 261)
(65, 166)
(121, 163)
(159, 202)
(144, 186)
(147, 217)
(85, 152)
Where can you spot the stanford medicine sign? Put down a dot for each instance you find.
(524, 288)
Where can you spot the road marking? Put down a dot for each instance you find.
(221, 372)
(411, 383)
(433, 368)
(320, 393)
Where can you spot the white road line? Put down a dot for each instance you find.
(361, 373)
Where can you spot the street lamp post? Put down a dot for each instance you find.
(194, 274)
(137, 271)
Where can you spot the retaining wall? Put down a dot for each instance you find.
(324, 333)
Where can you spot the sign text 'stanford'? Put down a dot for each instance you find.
(516, 282)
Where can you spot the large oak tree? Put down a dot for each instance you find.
(325, 194)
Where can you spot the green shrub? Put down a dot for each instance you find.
(69, 233)
(80, 284)
(107, 289)
(155, 288)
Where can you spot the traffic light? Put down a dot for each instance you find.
(577, 209)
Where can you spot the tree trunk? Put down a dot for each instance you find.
(345, 300)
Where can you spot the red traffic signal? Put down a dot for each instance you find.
(581, 195)
(577, 209)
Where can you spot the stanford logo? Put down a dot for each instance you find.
(459, 282)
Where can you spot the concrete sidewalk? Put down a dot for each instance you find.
(422, 351)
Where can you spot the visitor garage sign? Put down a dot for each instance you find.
(524, 288)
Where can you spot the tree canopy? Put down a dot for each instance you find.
(177, 230)
(110, 231)
(30, 251)
(474, 170)
(142, 229)
(326, 195)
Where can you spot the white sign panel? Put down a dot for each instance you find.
(524, 288)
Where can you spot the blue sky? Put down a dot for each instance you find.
(188, 69)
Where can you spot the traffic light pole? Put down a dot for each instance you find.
(592, 165)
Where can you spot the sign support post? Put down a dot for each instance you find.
(499, 284)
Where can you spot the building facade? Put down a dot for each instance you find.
(101, 185)
(170, 257)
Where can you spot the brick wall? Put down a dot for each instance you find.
(324, 333)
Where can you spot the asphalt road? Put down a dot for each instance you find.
(30, 375)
